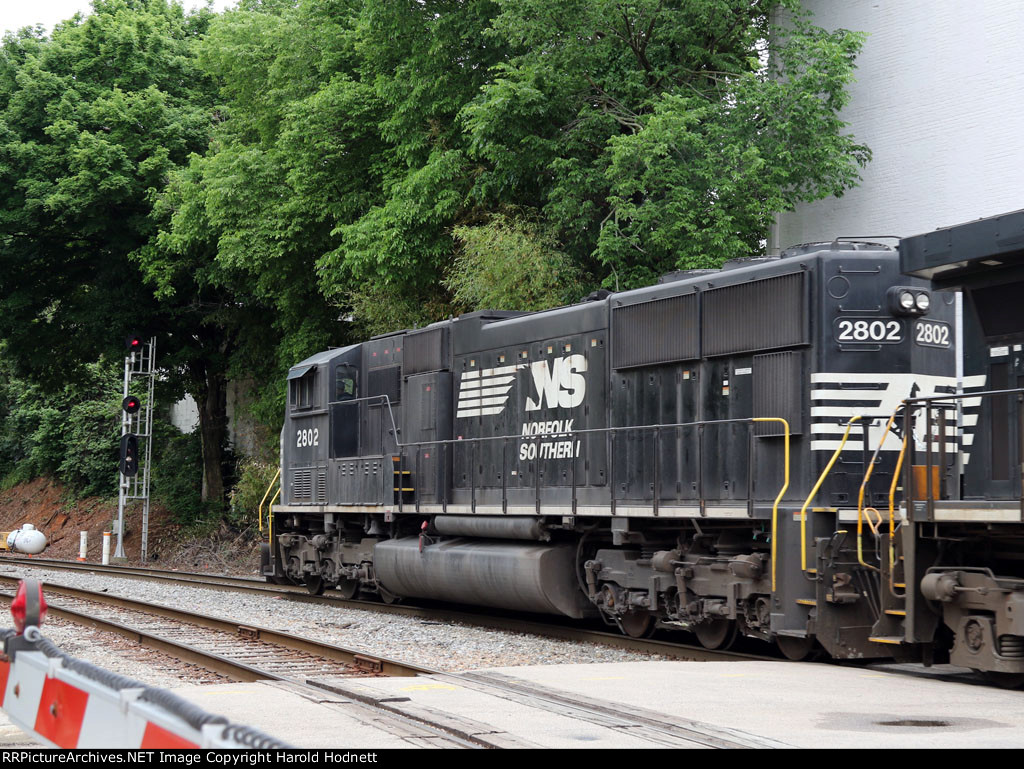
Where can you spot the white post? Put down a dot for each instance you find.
(106, 548)
(83, 545)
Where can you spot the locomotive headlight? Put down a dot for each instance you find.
(907, 300)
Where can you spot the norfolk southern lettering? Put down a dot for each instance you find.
(549, 449)
(558, 384)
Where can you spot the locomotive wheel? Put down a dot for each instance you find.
(388, 597)
(315, 585)
(794, 648)
(348, 588)
(716, 633)
(637, 624)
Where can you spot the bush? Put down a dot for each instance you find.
(512, 264)
(71, 434)
(254, 477)
(177, 475)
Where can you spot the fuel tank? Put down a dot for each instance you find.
(521, 576)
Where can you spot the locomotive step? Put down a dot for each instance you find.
(896, 612)
(886, 639)
(806, 601)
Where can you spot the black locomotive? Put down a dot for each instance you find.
(777, 449)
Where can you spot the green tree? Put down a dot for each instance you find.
(654, 135)
(241, 224)
(66, 432)
(379, 143)
(93, 121)
(340, 157)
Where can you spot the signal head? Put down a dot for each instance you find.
(131, 404)
(129, 455)
(133, 343)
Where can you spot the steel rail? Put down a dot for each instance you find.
(358, 658)
(215, 663)
(133, 571)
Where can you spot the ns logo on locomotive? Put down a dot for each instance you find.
(782, 449)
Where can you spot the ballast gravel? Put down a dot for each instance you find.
(441, 645)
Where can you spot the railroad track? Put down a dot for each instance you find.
(549, 629)
(247, 653)
(239, 650)
(304, 665)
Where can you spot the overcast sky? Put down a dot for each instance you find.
(15, 14)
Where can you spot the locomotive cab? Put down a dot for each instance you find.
(968, 549)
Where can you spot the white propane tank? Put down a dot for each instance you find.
(27, 539)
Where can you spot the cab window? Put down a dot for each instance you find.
(345, 383)
(303, 391)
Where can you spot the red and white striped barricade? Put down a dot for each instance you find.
(69, 703)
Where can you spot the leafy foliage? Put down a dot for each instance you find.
(71, 433)
(254, 478)
(662, 135)
(91, 122)
(177, 471)
(512, 264)
(256, 185)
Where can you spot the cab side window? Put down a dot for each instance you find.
(345, 383)
(303, 391)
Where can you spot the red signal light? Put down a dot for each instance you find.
(131, 404)
(133, 343)
(29, 606)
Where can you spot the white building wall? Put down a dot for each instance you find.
(939, 99)
(242, 432)
(185, 414)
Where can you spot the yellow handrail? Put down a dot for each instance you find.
(860, 497)
(259, 511)
(270, 519)
(892, 517)
(873, 525)
(782, 491)
(821, 479)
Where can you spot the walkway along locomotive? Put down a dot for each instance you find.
(726, 452)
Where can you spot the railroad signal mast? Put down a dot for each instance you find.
(136, 435)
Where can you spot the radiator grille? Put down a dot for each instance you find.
(759, 315)
(660, 331)
(426, 351)
(778, 392)
(321, 487)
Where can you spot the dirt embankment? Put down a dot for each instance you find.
(47, 506)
